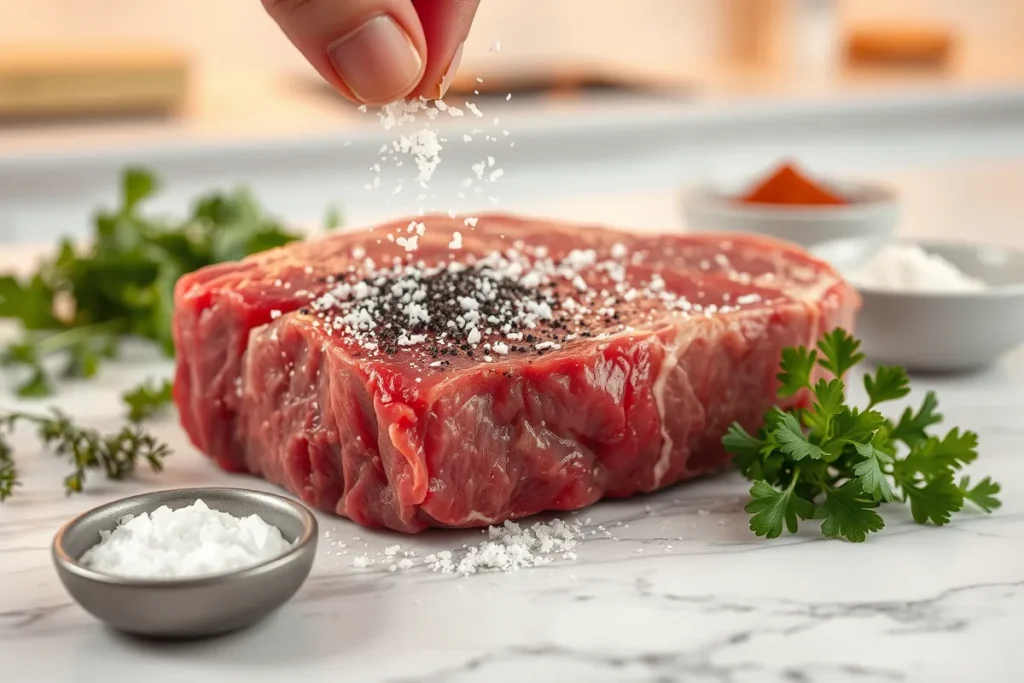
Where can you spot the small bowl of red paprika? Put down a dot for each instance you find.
(789, 204)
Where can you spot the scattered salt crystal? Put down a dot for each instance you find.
(511, 547)
(190, 541)
(275, 314)
(471, 221)
(361, 561)
(456, 242)
(703, 513)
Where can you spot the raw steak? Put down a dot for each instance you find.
(552, 365)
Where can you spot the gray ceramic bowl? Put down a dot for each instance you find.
(937, 331)
(191, 607)
(872, 215)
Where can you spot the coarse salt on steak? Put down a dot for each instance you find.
(539, 366)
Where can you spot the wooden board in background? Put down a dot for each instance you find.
(90, 81)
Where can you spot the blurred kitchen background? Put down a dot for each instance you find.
(608, 96)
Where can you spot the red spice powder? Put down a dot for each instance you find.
(788, 186)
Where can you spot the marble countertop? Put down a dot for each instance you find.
(685, 593)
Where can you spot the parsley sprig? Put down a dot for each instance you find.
(81, 303)
(836, 463)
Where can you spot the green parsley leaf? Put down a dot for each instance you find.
(934, 501)
(870, 473)
(853, 426)
(789, 437)
(912, 427)
(839, 352)
(136, 185)
(935, 457)
(332, 219)
(147, 399)
(829, 403)
(983, 495)
(746, 450)
(30, 302)
(846, 513)
(889, 383)
(770, 508)
(796, 369)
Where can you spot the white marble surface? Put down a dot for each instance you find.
(686, 593)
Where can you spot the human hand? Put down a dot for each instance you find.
(378, 51)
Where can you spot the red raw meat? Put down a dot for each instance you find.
(265, 384)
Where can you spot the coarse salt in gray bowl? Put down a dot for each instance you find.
(196, 606)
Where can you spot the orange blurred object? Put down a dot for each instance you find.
(788, 186)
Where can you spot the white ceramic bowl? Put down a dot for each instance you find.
(872, 214)
(940, 331)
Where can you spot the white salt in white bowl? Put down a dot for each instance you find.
(939, 331)
(872, 214)
(192, 607)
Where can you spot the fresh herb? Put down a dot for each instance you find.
(837, 464)
(117, 455)
(147, 400)
(332, 218)
(80, 304)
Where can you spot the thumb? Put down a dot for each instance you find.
(372, 51)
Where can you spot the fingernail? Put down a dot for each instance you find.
(449, 75)
(377, 61)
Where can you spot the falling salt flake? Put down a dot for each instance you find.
(456, 242)
(508, 97)
(473, 108)
(478, 168)
(479, 80)
(471, 221)
(467, 138)
(496, 120)
(490, 161)
(495, 174)
(452, 213)
(703, 513)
